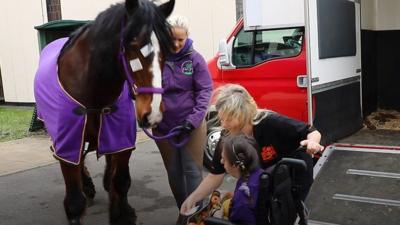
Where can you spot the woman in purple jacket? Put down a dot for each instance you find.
(187, 91)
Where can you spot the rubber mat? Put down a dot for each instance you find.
(356, 187)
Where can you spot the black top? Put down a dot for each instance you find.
(278, 136)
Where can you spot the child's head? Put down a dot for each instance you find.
(239, 155)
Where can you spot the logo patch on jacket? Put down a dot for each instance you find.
(187, 67)
(268, 153)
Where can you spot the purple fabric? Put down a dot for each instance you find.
(66, 129)
(243, 210)
(187, 89)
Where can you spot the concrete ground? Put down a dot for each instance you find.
(32, 187)
(31, 152)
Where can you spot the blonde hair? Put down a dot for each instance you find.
(179, 21)
(234, 101)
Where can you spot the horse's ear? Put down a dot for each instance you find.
(131, 5)
(167, 8)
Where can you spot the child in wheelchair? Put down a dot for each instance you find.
(240, 160)
(278, 137)
(260, 197)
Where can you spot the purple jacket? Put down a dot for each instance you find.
(243, 210)
(187, 89)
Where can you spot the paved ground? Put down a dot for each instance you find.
(32, 188)
(31, 152)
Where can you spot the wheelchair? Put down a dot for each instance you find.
(277, 203)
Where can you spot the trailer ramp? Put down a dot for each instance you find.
(356, 186)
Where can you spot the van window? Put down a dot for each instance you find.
(242, 52)
(250, 48)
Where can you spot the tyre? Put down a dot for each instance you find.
(213, 136)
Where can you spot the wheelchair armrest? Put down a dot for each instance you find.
(217, 221)
(296, 164)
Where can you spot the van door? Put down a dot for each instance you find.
(268, 63)
(334, 47)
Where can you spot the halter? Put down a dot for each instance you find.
(128, 69)
(145, 51)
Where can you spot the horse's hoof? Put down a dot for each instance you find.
(75, 222)
(127, 217)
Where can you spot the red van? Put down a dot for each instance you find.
(307, 68)
(270, 64)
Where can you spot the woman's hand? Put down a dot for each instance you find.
(313, 147)
(187, 205)
(312, 143)
(210, 182)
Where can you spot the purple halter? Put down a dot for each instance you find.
(128, 70)
(138, 90)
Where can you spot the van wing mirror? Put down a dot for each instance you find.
(223, 53)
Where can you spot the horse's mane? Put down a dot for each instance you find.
(105, 33)
(73, 37)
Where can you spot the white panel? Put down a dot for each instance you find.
(209, 21)
(264, 14)
(368, 14)
(84, 10)
(380, 14)
(388, 16)
(19, 49)
(332, 69)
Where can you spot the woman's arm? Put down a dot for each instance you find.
(210, 183)
(295, 132)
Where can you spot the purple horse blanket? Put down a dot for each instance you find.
(55, 107)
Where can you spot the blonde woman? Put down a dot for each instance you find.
(187, 91)
(277, 136)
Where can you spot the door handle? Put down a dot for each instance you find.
(302, 81)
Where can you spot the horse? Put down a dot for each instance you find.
(84, 89)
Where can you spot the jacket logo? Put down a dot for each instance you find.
(268, 153)
(187, 68)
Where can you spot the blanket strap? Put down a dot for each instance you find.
(80, 110)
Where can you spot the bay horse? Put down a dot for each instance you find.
(84, 87)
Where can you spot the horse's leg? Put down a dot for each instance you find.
(88, 186)
(75, 201)
(121, 213)
(107, 174)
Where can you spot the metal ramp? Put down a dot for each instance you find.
(356, 186)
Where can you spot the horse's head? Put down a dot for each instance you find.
(145, 41)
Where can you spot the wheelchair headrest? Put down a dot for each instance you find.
(296, 164)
